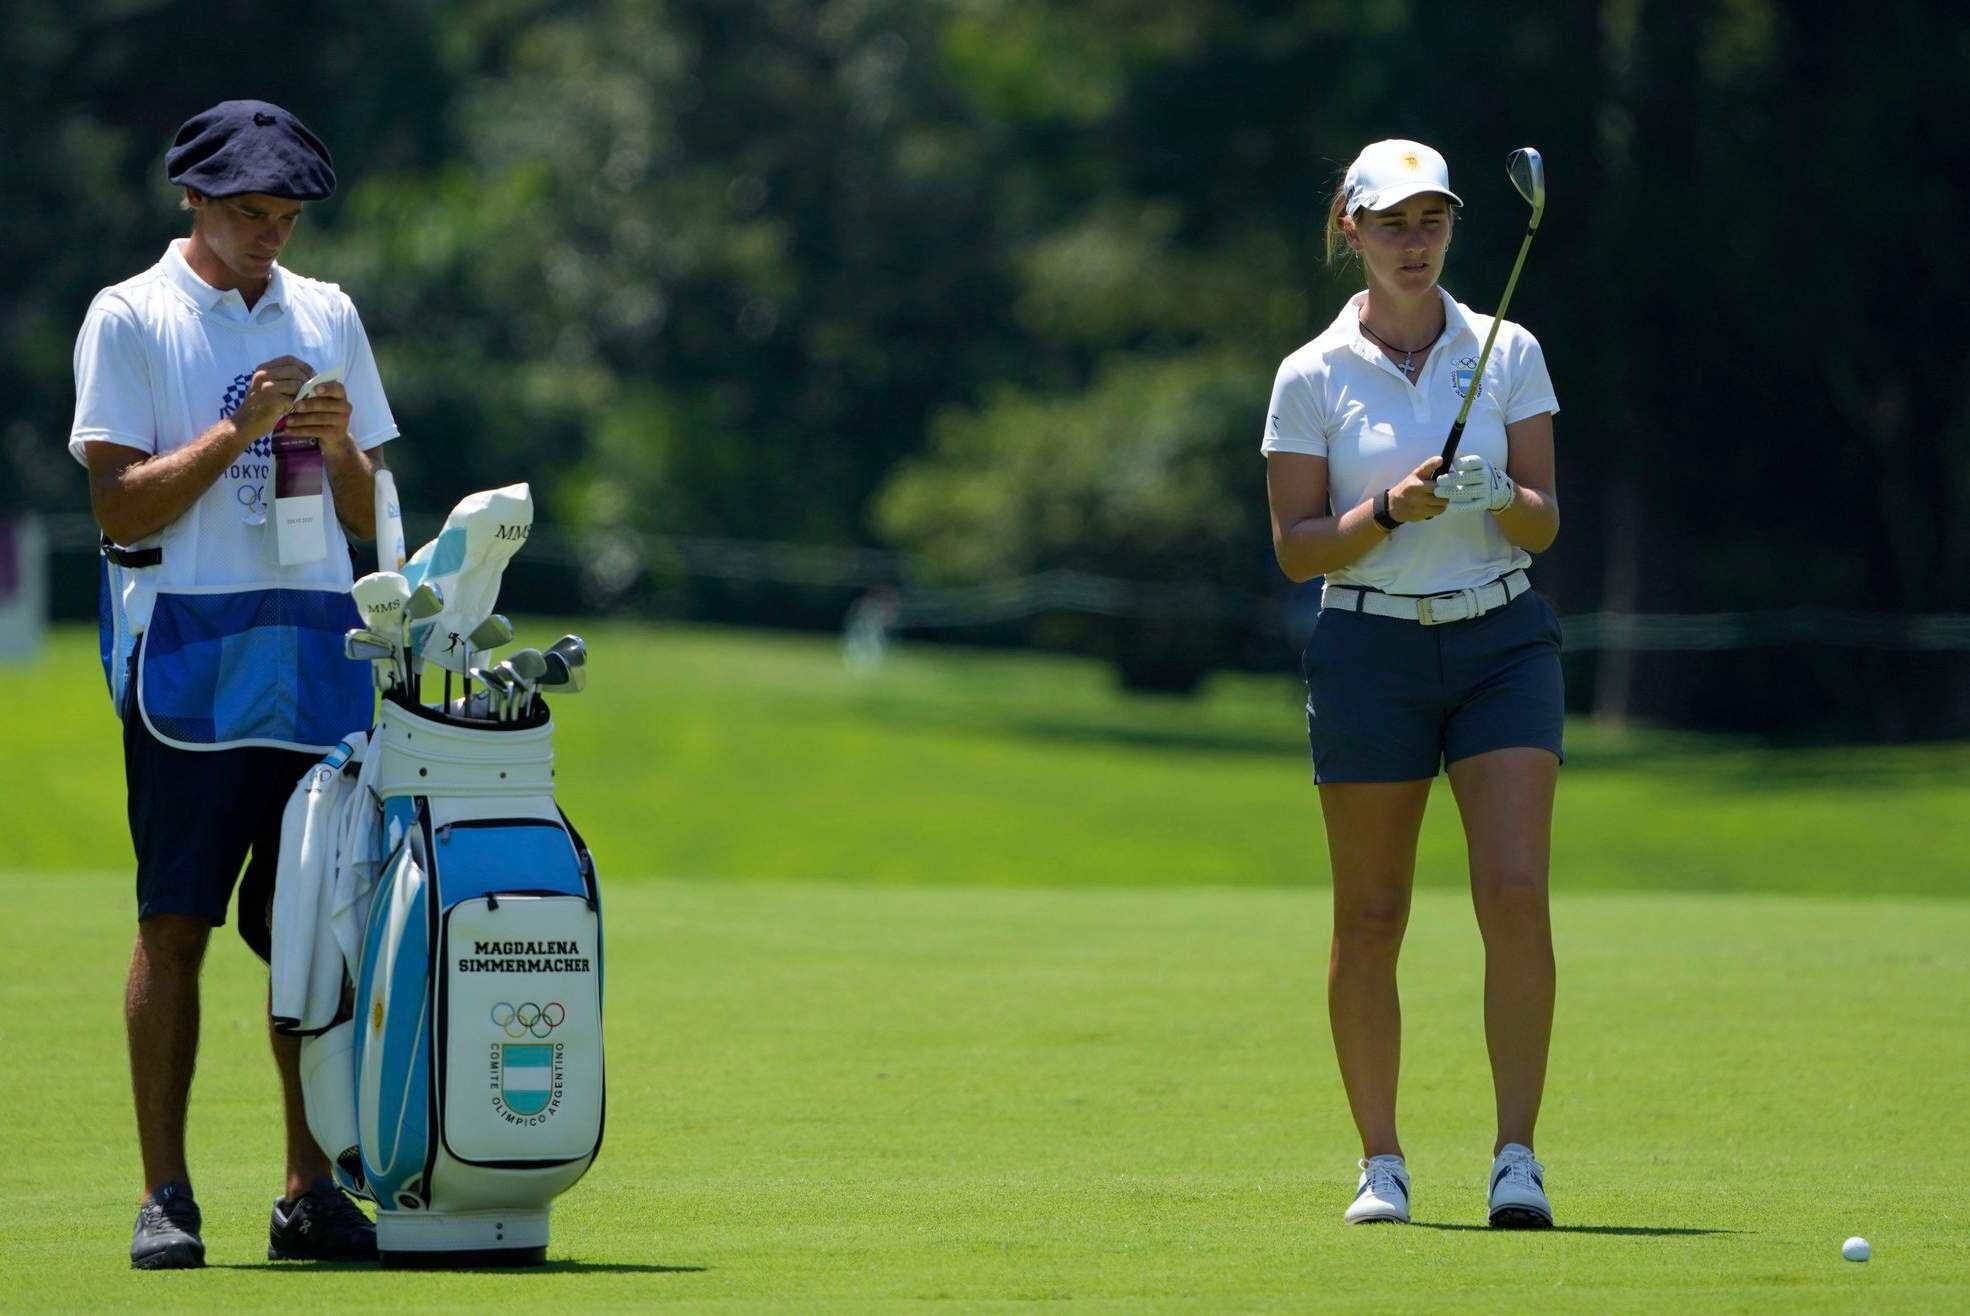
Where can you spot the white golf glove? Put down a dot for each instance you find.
(1473, 481)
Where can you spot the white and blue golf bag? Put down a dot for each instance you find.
(472, 1064)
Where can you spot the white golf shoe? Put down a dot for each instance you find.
(1382, 1197)
(1518, 1191)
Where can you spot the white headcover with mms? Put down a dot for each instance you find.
(467, 561)
(1390, 172)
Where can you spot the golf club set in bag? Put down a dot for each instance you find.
(437, 923)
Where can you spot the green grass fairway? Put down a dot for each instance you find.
(856, 1097)
(706, 753)
(975, 981)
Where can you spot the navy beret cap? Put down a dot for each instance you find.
(250, 146)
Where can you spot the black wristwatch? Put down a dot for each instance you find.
(1382, 515)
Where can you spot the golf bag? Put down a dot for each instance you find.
(466, 1092)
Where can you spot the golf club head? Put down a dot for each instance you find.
(495, 685)
(490, 634)
(380, 598)
(531, 664)
(425, 602)
(1528, 172)
(513, 684)
(573, 648)
(365, 646)
(362, 646)
(559, 677)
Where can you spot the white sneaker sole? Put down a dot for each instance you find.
(1382, 1213)
(1383, 1218)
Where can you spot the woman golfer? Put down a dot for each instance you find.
(1430, 647)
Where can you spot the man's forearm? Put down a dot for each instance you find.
(352, 483)
(140, 498)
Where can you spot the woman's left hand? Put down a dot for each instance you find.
(1473, 481)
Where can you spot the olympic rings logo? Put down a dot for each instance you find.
(520, 1020)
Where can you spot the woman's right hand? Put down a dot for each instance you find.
(1414, 497)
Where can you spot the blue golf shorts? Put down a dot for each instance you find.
(1393, 700)
(200, 817)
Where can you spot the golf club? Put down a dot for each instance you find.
(380, 598)
(368, 647)
(559, 676)
(509, 680)
(425, 602)
(488, 635)
(572, 648)
(1528, 173)
(481, 710)
(389, 522)
(531, 665)
(494, 681)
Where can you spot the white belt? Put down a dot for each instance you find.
(1428, 609)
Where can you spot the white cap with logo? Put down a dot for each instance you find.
(1387, 173)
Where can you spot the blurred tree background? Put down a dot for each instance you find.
(1002, 284)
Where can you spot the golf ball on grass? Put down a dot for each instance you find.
(1856, 1249)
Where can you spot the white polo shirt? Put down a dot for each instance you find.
(1341, 398)
(163, 357)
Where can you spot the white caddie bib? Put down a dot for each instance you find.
(239, 648)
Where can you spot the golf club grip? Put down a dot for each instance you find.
(389, 527)
(1450, 445)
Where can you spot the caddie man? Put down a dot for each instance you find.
(225, 607)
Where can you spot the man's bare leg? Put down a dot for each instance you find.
(160, 1013)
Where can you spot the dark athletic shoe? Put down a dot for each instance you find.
(320, 1225)
(166, 1237)
(1518, 1191)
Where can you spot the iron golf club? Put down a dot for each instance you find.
(559, 676)
(530, 665)
(510, 680)
(572, 648)
(494, 682)
(488, 635)
(1528, 173)
(368, 647)
(425, 602)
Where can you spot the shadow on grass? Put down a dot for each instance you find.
(610, 1268)
(516, 1272)
(1637, 1231)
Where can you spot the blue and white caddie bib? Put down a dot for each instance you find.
(236, 648)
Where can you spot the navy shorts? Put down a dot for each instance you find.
(1393, 700)
(197, 817)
